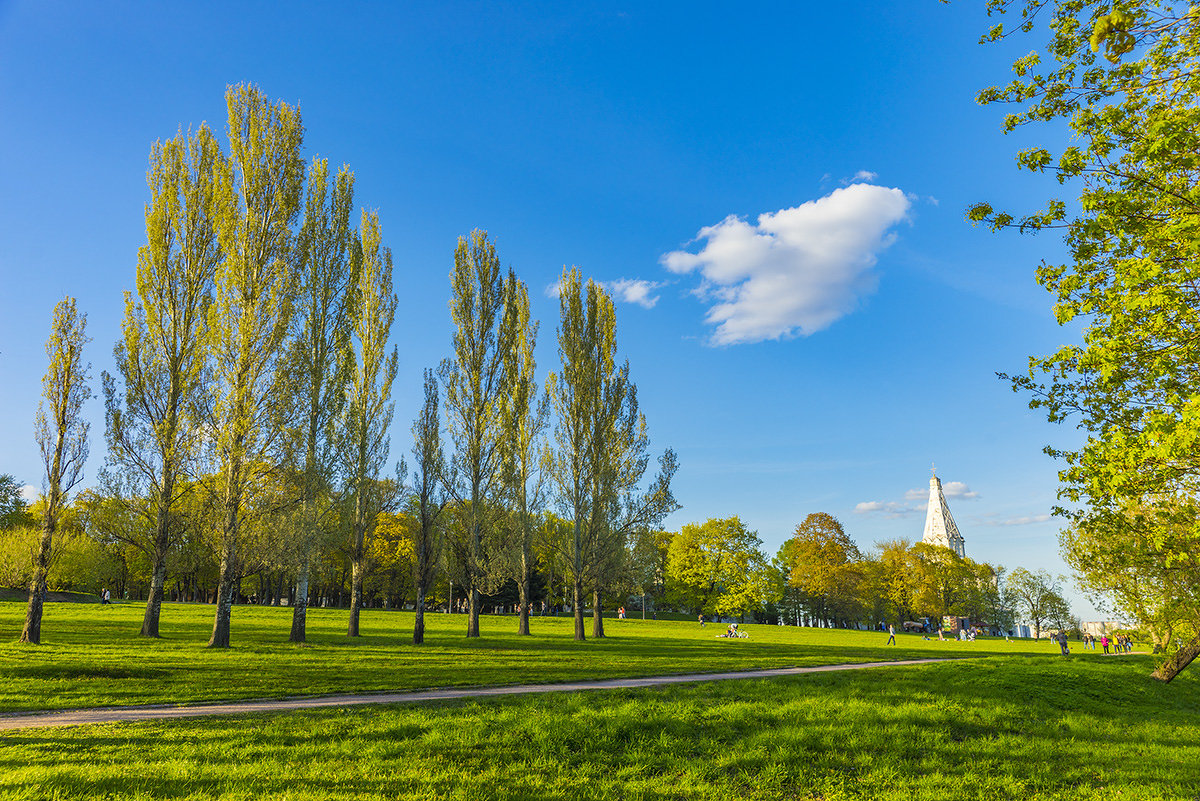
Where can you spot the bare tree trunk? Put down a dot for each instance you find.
(158, 567)
(356, 581)
(32, 633)
(419, 624)
(225, 591)
(523, 585)
(578, 610)
(597, 614)
(473, 611)
(300, 606)
(1181, 659)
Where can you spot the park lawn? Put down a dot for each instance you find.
(1000, 728)
(92, 655)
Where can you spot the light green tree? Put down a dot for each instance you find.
(474, 383)
(522, 447)
(317, 362)
(1125, 78)
(152, 429)
(429, 481)
(62, 437)
(250, 318)
(825, 566)
(718, 567)
(600, 444)
(1036, 594)
(363, 429)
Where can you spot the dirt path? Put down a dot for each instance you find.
(82, 717)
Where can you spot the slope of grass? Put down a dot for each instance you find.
(1001, 728)
(92, 655)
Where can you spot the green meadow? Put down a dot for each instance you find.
(91, 655)
(1017, 721)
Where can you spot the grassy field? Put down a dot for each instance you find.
(92, 656)
(1001, 728)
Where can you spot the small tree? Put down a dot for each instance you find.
(429, 480)
(1037, 595)
(62, 436)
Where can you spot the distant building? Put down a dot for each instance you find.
(1099, 628)
(939, 523)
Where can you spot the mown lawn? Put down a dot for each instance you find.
(999, 728)
(91, 655)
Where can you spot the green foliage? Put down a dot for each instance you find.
(1133, 280)
(717, 567)
(14, 511)
(824, 565)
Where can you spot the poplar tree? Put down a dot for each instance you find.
(62, 437)
(152, 429)
(429, 479)
(249, 320)
(474, 384)
(363, 439)
(525, 414)
(601, 442)
(318, 364)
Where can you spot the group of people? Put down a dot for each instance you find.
(1120, 644)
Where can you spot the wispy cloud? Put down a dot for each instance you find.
(865, 175)
(623, 290)
(1025, 520)
(794, 271)
(916, 501)
(888, 509)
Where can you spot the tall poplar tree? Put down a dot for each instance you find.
(474, 383)
(600, 438)
(363, 435)
(323, 255)
(62, 437)
(152, 429)
(249, 320)
(429, 480)
(525, 414)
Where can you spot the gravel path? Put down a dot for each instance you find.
(82, 717)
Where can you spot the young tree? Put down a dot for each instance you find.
(429, 480)
(14, 511)
(1133, 279)
(1037, 595)
(601, 441)
(363, 430)
(249, 320)
(152, 430)
(317, 360)
(62, 436)
(824, 564)
(720, 566)
(474, 383)
(524, 416)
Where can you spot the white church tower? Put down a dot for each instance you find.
(939, 524)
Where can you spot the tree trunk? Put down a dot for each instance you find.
(473, 611)
(578, 610)
(523, 586)
(419, 623)
(300, 607)
(1181, 659)
(158, 566)
(32, 632)
(356, 582)
(225, 591)
(597, 614)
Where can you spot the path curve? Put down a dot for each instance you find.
(83, 717)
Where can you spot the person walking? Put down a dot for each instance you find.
(700, 617)
(891, 635)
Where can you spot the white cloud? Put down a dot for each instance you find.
(623, 290)
(957, 489)
(889, 509)
(30, 493)
(1017, 521)
(795, 271)
(635, 290)
(865, 175)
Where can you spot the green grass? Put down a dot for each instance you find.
(1002, 728)
(92, 656)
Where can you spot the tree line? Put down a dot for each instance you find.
(248, 417)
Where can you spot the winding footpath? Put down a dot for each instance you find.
(83, 717)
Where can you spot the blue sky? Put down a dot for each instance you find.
(777, 195)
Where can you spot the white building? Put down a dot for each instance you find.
(940, 528)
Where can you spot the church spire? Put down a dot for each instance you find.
(939, 523)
